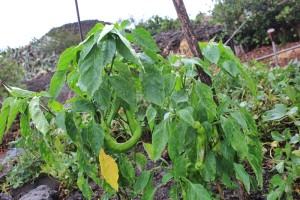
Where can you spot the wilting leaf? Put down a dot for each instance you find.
(109, 169)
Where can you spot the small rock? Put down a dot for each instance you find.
(43, 192)
(13, 152)
(4, 196)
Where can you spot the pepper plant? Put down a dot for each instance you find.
(119, 95)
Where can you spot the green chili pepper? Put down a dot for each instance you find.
(135, 127)
(200, 145)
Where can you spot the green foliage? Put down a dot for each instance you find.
(286, 151)
(276, 110)
(157, 24)
(120, 96)
(277, 95)
(11, 73)
(263, 14)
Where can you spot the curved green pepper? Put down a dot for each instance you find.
(135, 128)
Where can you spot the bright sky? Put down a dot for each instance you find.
(23, 20)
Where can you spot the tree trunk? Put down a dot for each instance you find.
(191, 38)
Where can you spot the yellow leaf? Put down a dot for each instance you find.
(109, 169)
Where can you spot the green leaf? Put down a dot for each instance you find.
(71, 128)
(125, 49)
(149, 193)
(87, 44)
(280, 166)
(124, 89)
(91, 69)
(84, 186)
(234, 136)
(186, 115)
(230, 67)
(153, 84)
(151, 114)
(18, 92)
(95, 29)
(60, 120)
(180, 167)
(46, 152)
(242, 175)
(204, 100)
(227, 182)
(56, 106)
(107, 29)
(169, 83)
(125, 23)
(149, 149)
(4, 115)
(212, 53)
(240, 119)
(278, 112)
(276, 180)
(127, 170)
(141, 161)
(81, 105)
(103, 96)
(72, 81)
(174, 192)
(277, 137)
(196, 191)
(257, 168)
(144, 39)
(176, 141)
(15, 107)
(37, 116)
(229, 55)
(296, 153)
(142, 181)
(166, 177)
(146, 42)
(95, 137)
(108, 48)
(210, 167)
(57, 83)
(292, 111)
(66, 58)
(82, 156)
(160, 139)
(25, 123)
(180, 96)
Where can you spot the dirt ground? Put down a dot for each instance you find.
(283, 58)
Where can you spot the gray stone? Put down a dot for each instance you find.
(13, 153)
(4, 196)
(43, 192)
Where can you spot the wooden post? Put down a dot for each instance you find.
(79, 22)
(191, 38)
